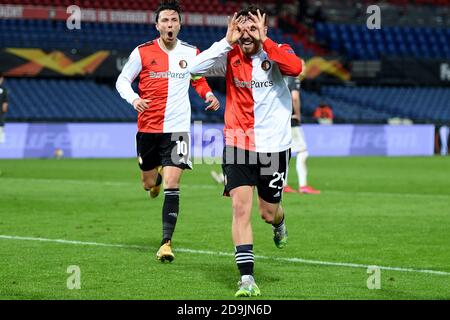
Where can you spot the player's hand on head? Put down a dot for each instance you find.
(214, 103)
(140, 105)
(253, 31)
(234, 31)
(258, 28)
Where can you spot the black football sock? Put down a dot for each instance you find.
(170, 212)
(245, 259)
(279, 225)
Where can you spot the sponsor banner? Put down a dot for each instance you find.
(323, 68)
(33, 62)
(26, 62)
(422, 71)
(367, 140)
(11, 12)
(117, 140)
(76, 140)
(108, 16)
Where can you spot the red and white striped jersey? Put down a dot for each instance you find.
(164, 79)
(259, 106)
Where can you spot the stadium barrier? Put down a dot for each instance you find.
(117, 140)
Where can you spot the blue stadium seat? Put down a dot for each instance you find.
(414, 103)
(76, 100)
(49, 34)
(424, 42)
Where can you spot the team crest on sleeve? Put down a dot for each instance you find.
(183, 64)
(266, 65)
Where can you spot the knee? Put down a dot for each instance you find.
(303, 155)
(240, 210)
(267, 214)
(171, 183)
(148, 183)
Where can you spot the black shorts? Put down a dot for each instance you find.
(166, 149)
(266, 171)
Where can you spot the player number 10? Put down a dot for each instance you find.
(181, 147)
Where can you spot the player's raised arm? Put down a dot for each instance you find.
(213, 61)
(283, 55)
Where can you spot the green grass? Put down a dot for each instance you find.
(372, 211)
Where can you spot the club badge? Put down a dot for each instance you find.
(183, 64)
(266, 65)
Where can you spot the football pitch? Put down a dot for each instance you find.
(393, 213)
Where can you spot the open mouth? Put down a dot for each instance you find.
(170, 34)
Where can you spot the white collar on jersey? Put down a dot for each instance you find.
(163, 47)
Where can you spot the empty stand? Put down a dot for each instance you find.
(48, 34)
(74, 100)
(432, 104)
(358, 42)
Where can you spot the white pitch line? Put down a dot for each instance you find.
(215, 186)
(214, 253)
(387, 194)
(103, 183)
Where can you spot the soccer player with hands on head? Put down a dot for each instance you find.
(257, 128)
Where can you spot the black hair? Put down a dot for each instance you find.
(168, 5)
(253, 9)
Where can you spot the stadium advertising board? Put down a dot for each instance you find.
(29, 62)
(419, 71)
(35, 62)
(116, 140)
(108, 16)
(409, 71)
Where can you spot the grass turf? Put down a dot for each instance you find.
(372, 211)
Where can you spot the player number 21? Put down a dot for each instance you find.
(277, 176)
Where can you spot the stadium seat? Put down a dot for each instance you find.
(432, 104)
(358, 42)
(113, 36)
(82, 100)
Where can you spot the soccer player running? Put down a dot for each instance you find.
(298, 139)
(257, 128)
(164, 113)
